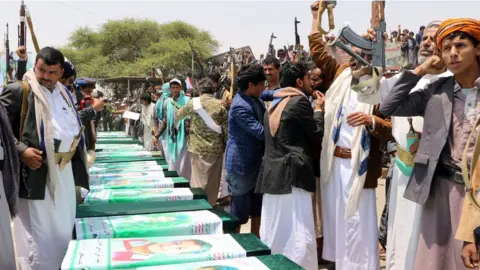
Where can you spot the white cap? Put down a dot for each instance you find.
(176, 81)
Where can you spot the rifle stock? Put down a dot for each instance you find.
(32, 32)
(197, 60)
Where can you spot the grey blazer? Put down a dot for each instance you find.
(435, 104)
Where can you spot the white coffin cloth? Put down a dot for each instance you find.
(223, 190)
(351, 243)
(287, 227)
(44, 228)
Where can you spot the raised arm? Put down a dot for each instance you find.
(400, 102)
(320, 56)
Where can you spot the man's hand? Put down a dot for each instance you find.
(155, 141)
(32, 158)
(433, 65)
(314, 9)
(470, 255)
(319, 100)
(22, 53)
(371, 34)
(360, 119)
(227, 103)
(98, 104)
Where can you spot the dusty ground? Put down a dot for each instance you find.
(380, 204)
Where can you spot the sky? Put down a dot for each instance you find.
(232, 23)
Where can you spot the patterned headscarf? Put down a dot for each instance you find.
(468, 26)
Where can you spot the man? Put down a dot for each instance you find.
(245, 146)
(271, 67)
(9, 184)
(208, 137)
(293, 136)
(68, 78)
(86, 87)
(147, 119)
(450, 107)
(317, 78)
(107, 116)
(350, 162)
(282, 56)
(53, 157)
(176, 132)
(418, 39)
(404, 216)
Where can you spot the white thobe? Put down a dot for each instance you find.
(403, 215)
(148, 113)
(287, 227)
(7, 249)
(351, 243)
(43, 228)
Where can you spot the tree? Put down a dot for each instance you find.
(130, 47)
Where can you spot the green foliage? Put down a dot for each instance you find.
(130, 47)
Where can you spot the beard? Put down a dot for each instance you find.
(422, 59)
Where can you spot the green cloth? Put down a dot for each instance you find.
(176, 138)
(166, 93)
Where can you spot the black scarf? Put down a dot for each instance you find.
(11, 164)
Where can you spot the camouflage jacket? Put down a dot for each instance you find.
(202, 139)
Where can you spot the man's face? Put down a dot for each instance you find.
(353, 63)
(68, 82)
(305, 85)
(48, 76)
(316, 78)
(459, 54)
(175, 89)
(88, 90)
(271, 72)
(256, 89)
(427, 47)
(394, 34)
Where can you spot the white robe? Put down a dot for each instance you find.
(148, 113)
(403, 215)
(44, 228)
(351, 243)
(287, 227)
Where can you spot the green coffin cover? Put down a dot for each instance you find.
(105, 196)
(132, 166)
(135, 208)
(129, 183)
(130, 159)
(156, 225)
(275, 262)
(150, 251)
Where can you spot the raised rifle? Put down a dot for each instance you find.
(32, 32)
(233, 72)
(7, 57)
(287, 54)
(297, 37)
(271, 49)
(197, 60)
(374, 48)
(22, 27)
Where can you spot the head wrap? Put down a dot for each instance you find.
(84, 82)
(468, 26)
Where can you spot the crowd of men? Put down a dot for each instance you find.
(296, 150)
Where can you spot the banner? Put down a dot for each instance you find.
(165, 224)
(393, 56)
(124, 165)
(138, 195)
(150, 251)
(249, 263)
(131, 115)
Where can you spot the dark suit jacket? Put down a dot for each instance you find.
(292, 155)
(435, 105)
(34, 181)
